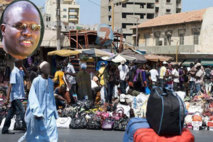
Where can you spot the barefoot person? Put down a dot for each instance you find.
(21, 29)
(41, 113)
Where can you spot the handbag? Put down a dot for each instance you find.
(120, 125)
(107, 124)
(63, 122)
(94, 122)
(78, 123)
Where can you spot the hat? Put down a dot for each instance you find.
(165, 63)
(122, 98)
(83, 66)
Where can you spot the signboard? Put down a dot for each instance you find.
(105, 35)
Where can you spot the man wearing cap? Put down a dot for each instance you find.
(123, 70)
(15, 95)
(41, 113)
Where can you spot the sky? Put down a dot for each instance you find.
(90, 9)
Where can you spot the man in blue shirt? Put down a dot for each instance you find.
(15, 95)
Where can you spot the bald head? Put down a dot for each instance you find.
(20, 5)
(21, 29)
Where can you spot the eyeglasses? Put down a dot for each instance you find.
(24, 26)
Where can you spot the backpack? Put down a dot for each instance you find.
(149, 135)
(165, 112)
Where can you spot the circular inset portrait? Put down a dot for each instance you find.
(22, 29)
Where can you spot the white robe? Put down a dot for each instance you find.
(41, 103)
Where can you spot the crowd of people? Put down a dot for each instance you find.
(107, 83)
(112, 79)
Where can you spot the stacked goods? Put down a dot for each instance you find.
(200, 112)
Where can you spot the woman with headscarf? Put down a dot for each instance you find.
(84, 83)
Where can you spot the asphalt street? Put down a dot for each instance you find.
(69, 135)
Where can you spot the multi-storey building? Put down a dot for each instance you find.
(70, 12)
(131, 12)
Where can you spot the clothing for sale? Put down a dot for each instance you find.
(17, 82)
(123, 69)
(41, 113)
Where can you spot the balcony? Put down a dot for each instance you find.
(73, 13)
(169, 49)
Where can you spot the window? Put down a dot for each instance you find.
(71, 16)
(168, 1)
(150, 16)
(109, 18)
(124, 26)
(196, 33)
(196, 38)
(165, 41)
(146, 37)
(168, 10)
(71, 10)
(123, 15)
(181, 39)
(150, 5)
(65, 9)
(124, 5)
(157, 38)
(156, 1)
(181, 33)
(142, 5)
(64, 16)
(156, 9)
(109, 8)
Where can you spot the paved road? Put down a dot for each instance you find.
(68, 135)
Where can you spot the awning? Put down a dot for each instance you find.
(156, 58)
(63, 53)
(204, 63)
(97, 53)
(119, 59)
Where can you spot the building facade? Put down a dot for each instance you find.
(70, 13)
(188, 33)
(132, 12)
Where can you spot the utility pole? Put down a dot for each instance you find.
(58, 16)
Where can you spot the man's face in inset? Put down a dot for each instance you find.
(21, 31)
